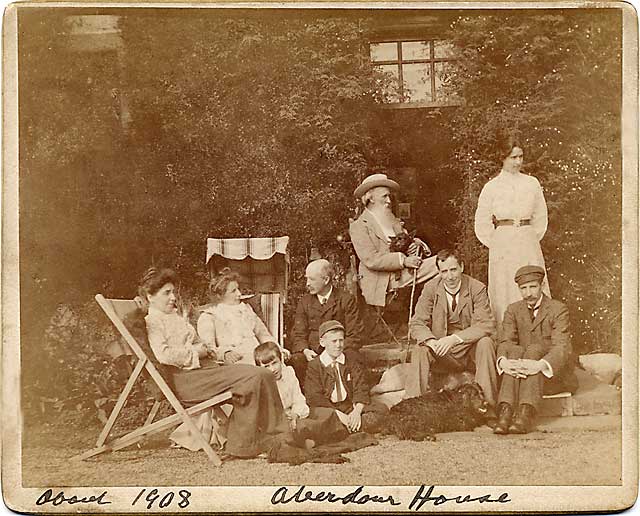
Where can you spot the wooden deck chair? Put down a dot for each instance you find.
(116, 310)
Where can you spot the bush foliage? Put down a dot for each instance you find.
(554, 79)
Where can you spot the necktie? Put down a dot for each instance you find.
(531, 313)
(454, 303)
(336, 376)
(323, 300)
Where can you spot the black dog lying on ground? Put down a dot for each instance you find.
(418, 419)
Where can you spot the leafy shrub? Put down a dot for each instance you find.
(555, 80)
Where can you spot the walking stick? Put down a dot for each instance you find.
(413, 291)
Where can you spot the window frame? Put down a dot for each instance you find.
(400, 62)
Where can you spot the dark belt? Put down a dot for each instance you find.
(511, 222)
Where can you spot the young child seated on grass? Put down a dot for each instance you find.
(334, 382)
(315, 425)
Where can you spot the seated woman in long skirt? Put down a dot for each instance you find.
(257, 417)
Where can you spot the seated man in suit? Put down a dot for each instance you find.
(323, 302)
(453, 322)
(335, 381)
(534, 353)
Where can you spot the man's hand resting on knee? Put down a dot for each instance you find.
(440, 347)
(512, 367)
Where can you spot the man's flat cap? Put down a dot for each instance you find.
(529, 273)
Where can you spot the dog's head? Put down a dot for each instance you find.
(473, 398)
(400, 243)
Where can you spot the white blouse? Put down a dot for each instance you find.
(172, 339)
(233, 328)
(510, 196)
(293, 401)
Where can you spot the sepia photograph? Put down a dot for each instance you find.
(320, 257)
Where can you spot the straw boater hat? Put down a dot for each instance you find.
(373, 181)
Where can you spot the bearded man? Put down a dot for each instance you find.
(382, 270)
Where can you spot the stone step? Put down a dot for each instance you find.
(593, 397)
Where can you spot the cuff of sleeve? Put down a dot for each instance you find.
(401, 258)
(498, 368)
(194, 362)
(458, 338)
(548, 370)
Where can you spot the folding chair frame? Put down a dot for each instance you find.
(182, 415)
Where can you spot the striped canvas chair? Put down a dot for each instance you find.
(265, 264)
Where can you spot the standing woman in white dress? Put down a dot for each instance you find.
(511, 219)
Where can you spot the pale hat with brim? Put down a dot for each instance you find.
(374, 181)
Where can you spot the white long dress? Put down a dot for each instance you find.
(517, 197)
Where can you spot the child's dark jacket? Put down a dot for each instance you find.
(319, 384)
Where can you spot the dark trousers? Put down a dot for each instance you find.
(529, 390)
(323, 426)
(372, 415)
(257, 414)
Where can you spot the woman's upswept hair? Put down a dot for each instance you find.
(218, 285)
(154, 279)
(505, 142)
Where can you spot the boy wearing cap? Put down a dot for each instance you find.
(533, 355)
(336, 382)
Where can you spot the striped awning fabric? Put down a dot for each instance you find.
(241, 248)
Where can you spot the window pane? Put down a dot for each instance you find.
(415, 50)
(444, 49)
(384, 51)
(444, 89)
(390, 88)
(417, 82)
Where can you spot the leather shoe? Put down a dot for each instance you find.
(505, 413)
(524, 419)
(491, 418)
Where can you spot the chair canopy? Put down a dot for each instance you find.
(264, 262)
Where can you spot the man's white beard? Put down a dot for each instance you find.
(385, 215)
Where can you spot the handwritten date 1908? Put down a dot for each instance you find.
(182, 499)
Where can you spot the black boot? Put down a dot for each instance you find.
(505, 413)
(491, 418)
(524, 421)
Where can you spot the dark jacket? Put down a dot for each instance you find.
(546, 337)
(310, 314)
(319, 384)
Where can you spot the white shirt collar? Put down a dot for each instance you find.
(327, 360)
(324, 299)
(538, 303)
(456, 290)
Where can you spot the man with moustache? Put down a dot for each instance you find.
(323, 302)
(534, 353)
(453, 324)
(380, 269)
